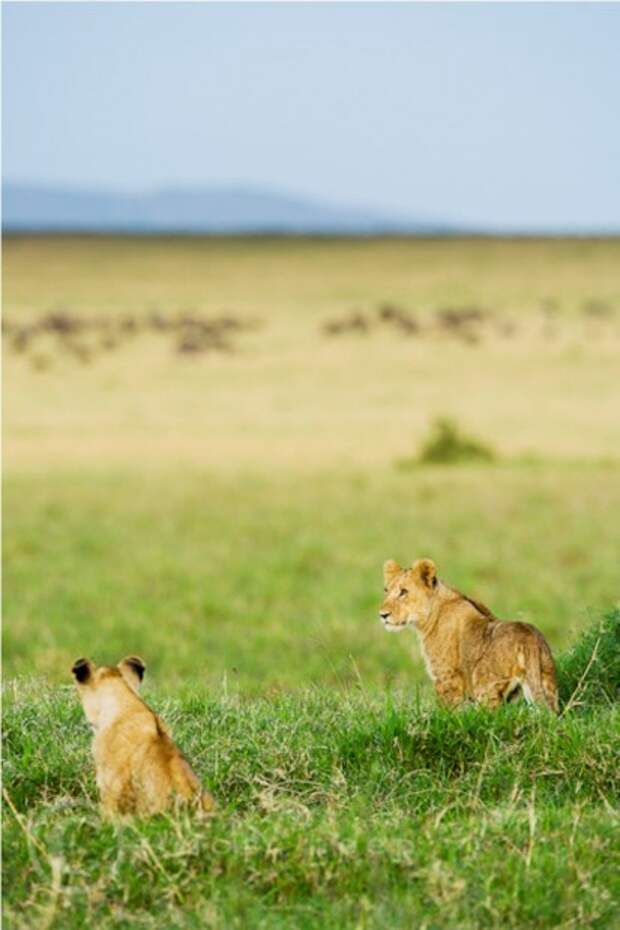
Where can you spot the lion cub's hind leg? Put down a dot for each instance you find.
(492, 691)
(492, 694)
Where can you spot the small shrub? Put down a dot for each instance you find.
(589, 672)
(447, 445)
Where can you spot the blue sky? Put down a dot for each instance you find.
(496, 114)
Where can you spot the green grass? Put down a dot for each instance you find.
(275, 582)
(336, 810)
(590, 670)
(347, 799)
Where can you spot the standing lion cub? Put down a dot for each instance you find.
(468, 653)
(139, 768)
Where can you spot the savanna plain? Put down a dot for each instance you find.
(210, 447)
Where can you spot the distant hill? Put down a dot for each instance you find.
(200, 210)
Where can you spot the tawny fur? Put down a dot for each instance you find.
(469, 653)
(139, 769)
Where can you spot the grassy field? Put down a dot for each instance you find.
(337, 809)
(220, 499)
(269, 584)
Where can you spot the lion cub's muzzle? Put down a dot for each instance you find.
(389, 624)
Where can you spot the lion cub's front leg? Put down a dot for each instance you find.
(450, 689)
(113, 804)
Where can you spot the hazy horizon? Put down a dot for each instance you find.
(497, 116)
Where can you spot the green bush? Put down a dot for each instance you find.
(589, 672)
(447, 445)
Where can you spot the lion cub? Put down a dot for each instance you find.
(139, 768)
(468, 653)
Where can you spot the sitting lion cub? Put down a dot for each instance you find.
(139, 768)
(467, 651)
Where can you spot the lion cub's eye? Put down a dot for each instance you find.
(402, 592)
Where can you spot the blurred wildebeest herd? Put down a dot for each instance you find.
(193, 334)
(85, 337)
(466, 323)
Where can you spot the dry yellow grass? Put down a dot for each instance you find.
(291, 397)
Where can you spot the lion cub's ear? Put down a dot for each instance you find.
(82, 670)
(427, 572)
(390, 570)
(132, 668)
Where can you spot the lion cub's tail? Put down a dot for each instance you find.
(540, 684)
(186, 784)
(207, 802)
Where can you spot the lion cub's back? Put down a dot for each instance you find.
(511, 635)
(166, 774)
(141, 763)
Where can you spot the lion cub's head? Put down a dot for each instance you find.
(104, 690)
(409, 593)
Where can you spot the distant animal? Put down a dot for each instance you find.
(469, 654)
(138, 767)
